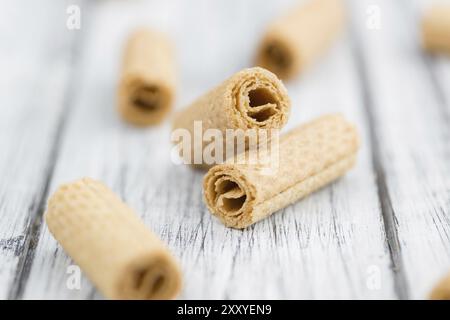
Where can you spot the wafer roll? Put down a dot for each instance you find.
(147, 86)
(110, 243)
(436, 29)
(310, 157)
(294, 41)
(442, 290)
(251, 99)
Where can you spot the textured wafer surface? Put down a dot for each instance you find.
(148, 78)
(110, 243)
(295, 40)
(436, 29)
(310, 157)
(253, 98)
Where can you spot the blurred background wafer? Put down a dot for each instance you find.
(147, 84)
(436, 29)
(111, 245)
(442, 290)
(298, 38)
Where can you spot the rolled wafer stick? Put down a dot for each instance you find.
(147, 86)
(110, 243)
(294, 41)
(436, 29)
(442, 290)
(253, 98)
(310, 157)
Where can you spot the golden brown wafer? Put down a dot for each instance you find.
(294, 41)
(442, 290)
(436, 29)
(147, 86)
(253, 98)
(310, 157)
(109, 242)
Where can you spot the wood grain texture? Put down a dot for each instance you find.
(383, 231)
(412, 135)
(323, 247)
(35, 51)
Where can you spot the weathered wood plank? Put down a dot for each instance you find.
(412, 137)
(440, 76)
(35, 68)
(438, 64)
(331, 245)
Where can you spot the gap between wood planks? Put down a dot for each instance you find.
(389, 219)
(33, 233)
(412, 15)
(388, 214)
(36, 215)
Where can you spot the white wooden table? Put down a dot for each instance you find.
(383, 231)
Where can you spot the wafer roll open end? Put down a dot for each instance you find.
(436, 29)
(149, 277)
(442, 290)
(230, 196)
(145, 103)
(258, 99)
(279, 55)
(111, 245)
(147, 86)
(295, 40)
(310, 157)
(252, 98)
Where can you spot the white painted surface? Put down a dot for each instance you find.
(34, 73)
(330, 245)
(412, 127)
